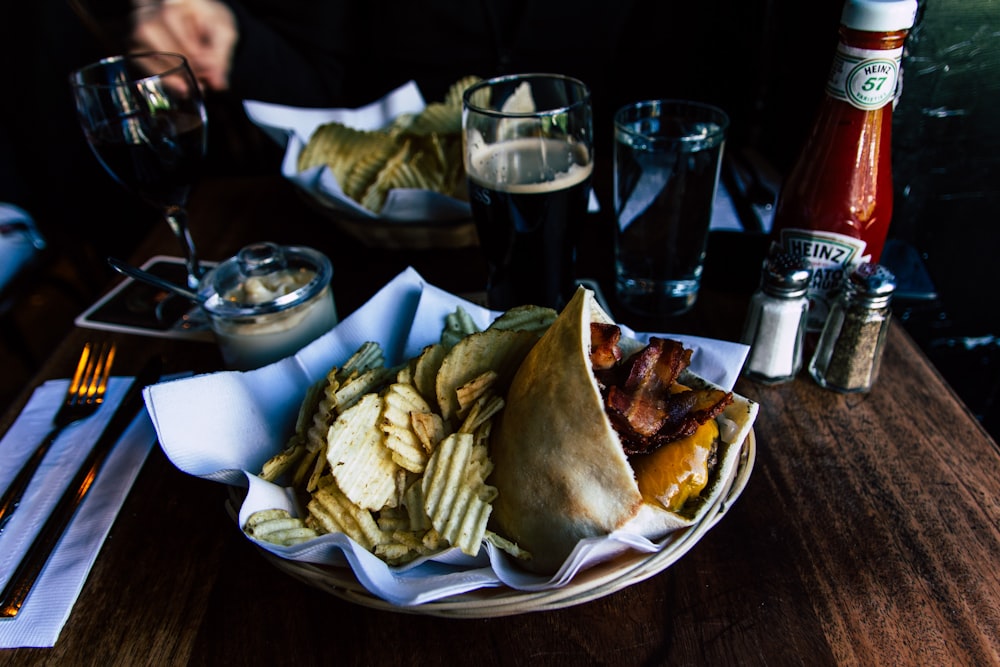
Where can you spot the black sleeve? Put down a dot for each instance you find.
(290, 51)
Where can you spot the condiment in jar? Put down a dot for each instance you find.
(776, 320)
(849, 351)
(268, 302)
(836, 203)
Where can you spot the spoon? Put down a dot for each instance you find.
(154, 280)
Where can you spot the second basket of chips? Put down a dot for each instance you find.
(389, 174)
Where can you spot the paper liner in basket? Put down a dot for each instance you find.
(223, 426)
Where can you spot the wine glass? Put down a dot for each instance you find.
(144, 118)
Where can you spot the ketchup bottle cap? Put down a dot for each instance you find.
(879, 15)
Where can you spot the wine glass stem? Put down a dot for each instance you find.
(176, 217)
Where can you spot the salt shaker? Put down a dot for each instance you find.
(776, 319)
(849, 351)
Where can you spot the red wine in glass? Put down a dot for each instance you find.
(144, 118)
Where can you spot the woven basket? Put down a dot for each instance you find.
(391, 235)
(604, 579)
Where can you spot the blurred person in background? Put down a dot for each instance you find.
(286, 51)
(329, 53)
(46, 167)
(333, 53)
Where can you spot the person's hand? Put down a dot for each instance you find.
(204, 31)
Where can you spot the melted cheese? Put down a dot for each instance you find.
(677, 471)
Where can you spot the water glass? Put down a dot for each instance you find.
(667, 155)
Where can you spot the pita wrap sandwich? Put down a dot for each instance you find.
(562, 470)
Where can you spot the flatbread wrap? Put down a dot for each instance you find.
(561, 468)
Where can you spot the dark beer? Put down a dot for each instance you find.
(529, 196)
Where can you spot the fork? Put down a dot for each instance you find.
(84, 395)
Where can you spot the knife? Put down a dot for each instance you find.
(24, 576)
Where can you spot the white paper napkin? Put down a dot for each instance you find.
(224, 426)
(48, 606)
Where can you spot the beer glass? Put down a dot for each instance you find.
(528, 156)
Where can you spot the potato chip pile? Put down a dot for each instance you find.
(422, 151)
(398, 458)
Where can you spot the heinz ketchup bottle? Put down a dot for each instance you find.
(836, 203)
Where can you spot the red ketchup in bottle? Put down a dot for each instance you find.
(836, 203)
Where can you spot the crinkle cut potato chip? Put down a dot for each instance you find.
(456, 496)
(429, 429)
(493, 349)
(478, 387)
(426, 367)
(420, 151)
(457, 325)
(436, 118)
(454, 95)
(400, 403)
(298, 444)
(366, 168)
(334, 512)
(278, 527)
(526, 318)
(361, 464)
(278, 465)
(397, 458)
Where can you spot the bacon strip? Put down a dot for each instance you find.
(639, 394)
(604, 350)
(657, 366)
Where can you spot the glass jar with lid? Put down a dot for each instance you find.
(268, 302)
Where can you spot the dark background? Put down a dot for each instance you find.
(764, 61)
(947, 171)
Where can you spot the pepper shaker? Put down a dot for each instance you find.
(776, 319)
(849, 350)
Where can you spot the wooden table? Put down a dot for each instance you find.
(868, 534)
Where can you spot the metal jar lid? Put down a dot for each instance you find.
(785, 275)
(870, 285)
(224, 288)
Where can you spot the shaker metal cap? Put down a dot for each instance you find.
(786, 275)
(879, 15)
(872, 283)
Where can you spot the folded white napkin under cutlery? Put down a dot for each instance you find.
(52, 598)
